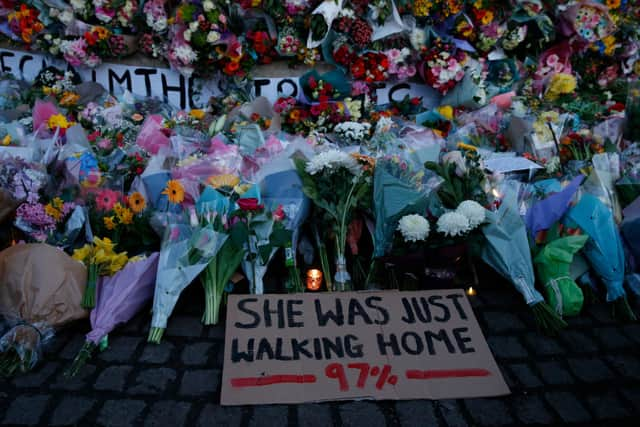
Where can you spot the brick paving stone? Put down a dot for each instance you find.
(554, 373)
(499, 322)
(489, 412)
(579, 341)
(113, 378)
(601, 313)
(612, 338)
(628, 366)
(568, 407)
(220, 416)
(418, 413)
(137, 325)
(157, 353)
(633, 332)
(196, 354)
(580, 320)
(121, 349)
(73, 346)
(451, 413)
(184, 326)
(543, 345)
(508, 378)
(153, 381)
(121, 413)
(606, 405)
(590, 370)
(168, 413)
(71, 410)
(77, 382)
(352, 414)
(26, 410)
(269, 415)
(197, 382)
(507, 347)
(531, 410)
(216, 331)
(314, 415)
(498, 298)
(525, 375)
(38, 376)
(632, 394)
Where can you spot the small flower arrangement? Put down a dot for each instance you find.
(352, 132)
(400, 64)
(24, 23)
(443, 66)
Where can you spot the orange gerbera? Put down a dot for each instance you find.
(137, 203)
(174, 191)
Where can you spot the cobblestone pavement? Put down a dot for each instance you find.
(588, 375)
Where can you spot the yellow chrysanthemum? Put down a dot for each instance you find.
(487, 18)
(109, 222)
(421, 8)
(58, 121)
(137, 203)
(174, 191)
(446, 111)
(57, 203)
(125, 216)
(6, 140)
(560, 84)
(52, 212)
(225, 180)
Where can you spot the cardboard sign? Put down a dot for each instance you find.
(376, 345)
(181, 92)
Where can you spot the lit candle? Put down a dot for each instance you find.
(314, 279)
(470, 291)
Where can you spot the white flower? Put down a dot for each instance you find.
(193, 26)
(66, 17)
(185, 54)
(384, 125)
(213, 36)
(456, 158)
(332, 160)
(413, 228)
(473, 211)
(418, 38)
(186, 35)
(207, 5)
(78, 5)
(453, 224)
(159, 24)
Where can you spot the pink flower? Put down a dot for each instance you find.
(394, 55)
(106, 199)
(175, 233)
(105, 144)
(552, 60)
(278, 214)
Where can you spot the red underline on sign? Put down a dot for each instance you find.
(446, 373)
(273, 379)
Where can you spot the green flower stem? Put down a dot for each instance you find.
(621, 310)
(546, 319)
(211, 298)
(80, 360)
(89, 298)
(155, 335)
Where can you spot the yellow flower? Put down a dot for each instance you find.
(101, 32)
(52, 212)
(446, 111)
(225, 180)
(57, 202)
(47, 90)
(421, 8)
(561, 84)
(125, 216)
(197, 114)
(117, 261)
(240, 189)
(69, 98)
(174, 191)
(137, 203)
(58, 121)
(82, 254)
(6, 140)
(613, 4)
(487, 18)
(469, 147)
(117, 208)
(109, 222)
(106, 244)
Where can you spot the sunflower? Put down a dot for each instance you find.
(137, 203)
(224, 180)
(174, 191)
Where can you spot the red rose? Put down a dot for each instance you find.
(250, 204)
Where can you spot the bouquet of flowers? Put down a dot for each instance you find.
(24, 23)
(442, 66)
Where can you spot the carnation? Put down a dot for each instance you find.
(473, 211)
(413, 228)
(332, 160)
(453, 224)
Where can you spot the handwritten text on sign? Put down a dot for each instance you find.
(383, 345)
(181, 92)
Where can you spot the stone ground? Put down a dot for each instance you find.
(588, 375)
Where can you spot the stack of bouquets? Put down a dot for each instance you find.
(201, 41)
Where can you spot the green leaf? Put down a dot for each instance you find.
(264, 252)
(239, 233)
(280, 237)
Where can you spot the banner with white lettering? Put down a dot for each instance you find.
(378, 345)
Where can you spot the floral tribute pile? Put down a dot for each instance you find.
(529, 162)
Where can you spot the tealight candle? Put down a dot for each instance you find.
(314, 279)
(470, 291)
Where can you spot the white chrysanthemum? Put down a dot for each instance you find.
(474, 212)
(413, 228)
(185, 54)
(453, 224)
(332, 160)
